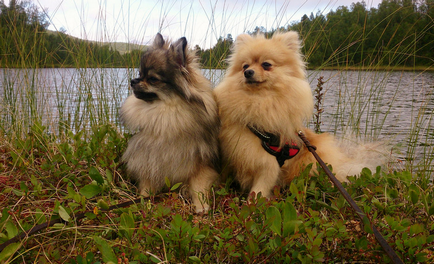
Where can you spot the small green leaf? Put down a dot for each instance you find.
(366, 172)
(90, 257)
(392, 193)
(24, 187)
(289, 212)
(63, 214)
(431, 210)
(421, 257)
(222, 192)
(95, 175)
(293, 188)
(235, 254)
(58, 226)
(240, 238)
(414, 193)
(109, 175)
(106, 251)
(290, 227)
(290, 222)
(317, 241)
(90, 215)
(103, 204)
(177, 221)
(367, 225)
(176, 186)
(90, 190)
(167, 181)
(155, 260)
(40, 216)
(362, 243)
(194, 259)
(73, 194)
(275, 217)
(8, 251)
(18, 192)
(127, 224)
(416, 229)
(11, 229)
(4, 215)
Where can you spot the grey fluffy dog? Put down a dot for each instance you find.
(175, 116)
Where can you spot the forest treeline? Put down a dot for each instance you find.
(26, 42)
(396, 33)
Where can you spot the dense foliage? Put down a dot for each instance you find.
(396, 33)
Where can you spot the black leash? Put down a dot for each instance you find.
(386, 247)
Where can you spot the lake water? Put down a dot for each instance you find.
(392, 106)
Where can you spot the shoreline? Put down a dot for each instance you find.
(376, 68)
(347, 68)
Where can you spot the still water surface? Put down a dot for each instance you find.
(393, 106)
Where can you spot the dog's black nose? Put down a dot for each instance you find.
(249, 73)
(135, 81)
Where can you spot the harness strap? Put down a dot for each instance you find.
(271, 143)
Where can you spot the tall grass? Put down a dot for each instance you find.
(370, 93)
(83, 97)
(61, 142)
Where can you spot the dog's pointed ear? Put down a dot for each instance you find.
(179, 50)
(290, 38)
(241, 39)
(158, 41)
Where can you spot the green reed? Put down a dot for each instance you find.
(97, 94)
(365, 110)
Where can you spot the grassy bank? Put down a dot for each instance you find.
(44, 178)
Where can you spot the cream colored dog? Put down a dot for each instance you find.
(264, 100)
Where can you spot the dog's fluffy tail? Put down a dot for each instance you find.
(362, 155)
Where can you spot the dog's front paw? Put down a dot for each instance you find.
(202, 209)
(260, 194)
(145, 192)
(146, 188)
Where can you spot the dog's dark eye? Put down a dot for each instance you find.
(153, 80)
(266, 66)
(245, 66)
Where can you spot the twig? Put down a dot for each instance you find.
(319, 96)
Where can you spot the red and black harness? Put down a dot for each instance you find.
(271, 143)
